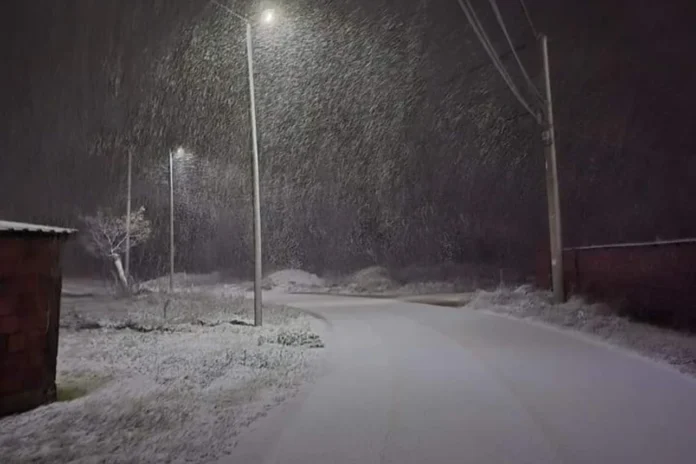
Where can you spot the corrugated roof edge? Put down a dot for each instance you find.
(21, 227)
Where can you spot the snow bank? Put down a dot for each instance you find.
(170, 390)
(289, 278)
(373, 278)
(182, 281)
(598, 319)
(380, 281)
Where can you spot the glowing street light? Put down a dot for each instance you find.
(267, 17)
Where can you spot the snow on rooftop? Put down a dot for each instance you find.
(10, 226)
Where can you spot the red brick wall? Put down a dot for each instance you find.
(655, 282)
(30, 284)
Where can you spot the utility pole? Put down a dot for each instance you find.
(128, 215)
(258, 318)
(544, 117)
(171, 221)
(549, 140)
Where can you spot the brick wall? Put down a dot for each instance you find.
(30, 283)
(650, 281)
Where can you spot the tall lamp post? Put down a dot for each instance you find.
(171, 222)
(267, 17)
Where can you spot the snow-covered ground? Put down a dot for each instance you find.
(184, 281)
(288, 279)
(156, 389)
(404, 282)
(598, 320)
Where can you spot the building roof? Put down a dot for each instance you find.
(20, 227)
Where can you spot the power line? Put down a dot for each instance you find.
(529, 18)
(499, 17)
(490, 49)
(488, 46)
(502, 56)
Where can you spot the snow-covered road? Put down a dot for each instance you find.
(409, 383)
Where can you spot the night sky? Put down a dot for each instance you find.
(386, 136)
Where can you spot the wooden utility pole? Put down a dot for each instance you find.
(549, 139)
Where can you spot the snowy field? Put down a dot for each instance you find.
(160, 380)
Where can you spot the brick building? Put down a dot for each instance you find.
(30, 288)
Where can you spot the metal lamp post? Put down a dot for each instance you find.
(258, 275)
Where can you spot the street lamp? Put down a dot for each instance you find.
(267, 17)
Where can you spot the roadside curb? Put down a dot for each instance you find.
(435, 299)
(448, 300)
(348, 295)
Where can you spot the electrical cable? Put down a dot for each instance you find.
(529, 18)
(487, 45)
(490, 49)
(501, 22)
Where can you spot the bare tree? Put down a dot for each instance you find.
(106, 238)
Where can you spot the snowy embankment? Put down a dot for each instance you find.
(598, 320)
(151, 388)
(377, 280)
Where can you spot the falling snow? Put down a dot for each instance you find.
(384, 136)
